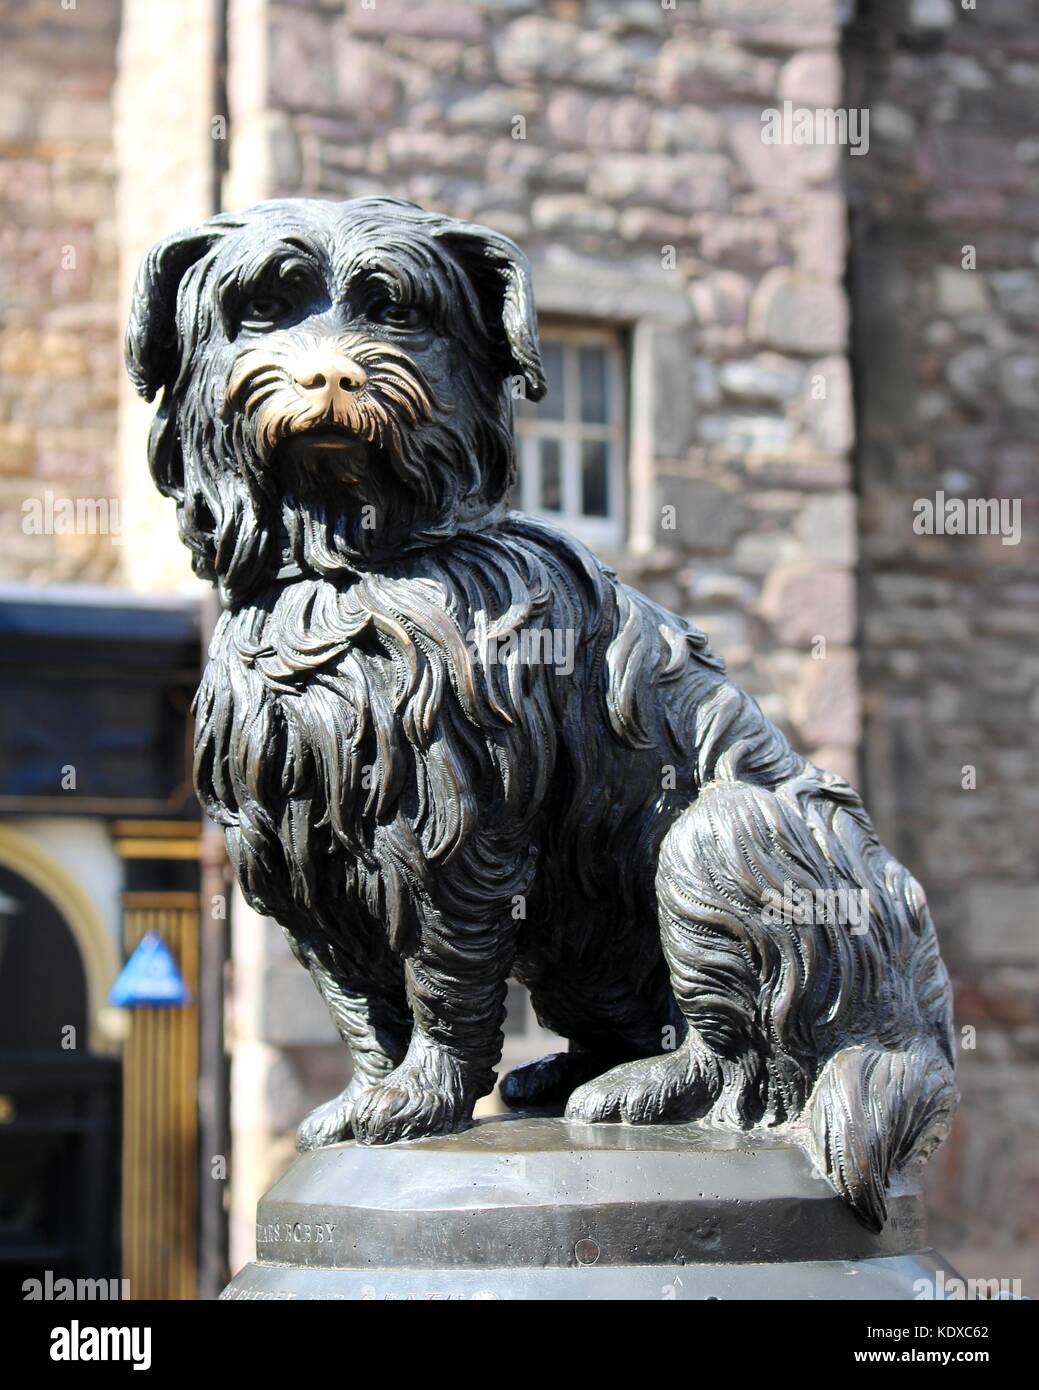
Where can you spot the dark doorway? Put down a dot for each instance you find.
(59, 1104)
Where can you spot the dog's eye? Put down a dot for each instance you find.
(263, 310)
(395, 315)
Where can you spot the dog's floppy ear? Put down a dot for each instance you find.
(152, 348)
(501, 276)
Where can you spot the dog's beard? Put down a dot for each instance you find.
(285, 486)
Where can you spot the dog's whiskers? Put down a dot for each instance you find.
(259, 398)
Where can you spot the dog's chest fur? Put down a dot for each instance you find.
(389, 737)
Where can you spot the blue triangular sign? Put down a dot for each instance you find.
(150, 976)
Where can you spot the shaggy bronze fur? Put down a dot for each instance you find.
(429, 801)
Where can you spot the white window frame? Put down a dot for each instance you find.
(605, 533)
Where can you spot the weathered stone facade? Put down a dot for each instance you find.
(59, 320)
(947, 374)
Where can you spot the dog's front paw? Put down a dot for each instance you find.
(329, 1123)
(427, 1094)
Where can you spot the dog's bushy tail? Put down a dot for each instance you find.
(873, 1111)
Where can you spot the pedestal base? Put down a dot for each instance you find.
(534, 1208)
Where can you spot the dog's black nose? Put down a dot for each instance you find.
(325, 373)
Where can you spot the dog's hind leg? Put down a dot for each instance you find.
(713, 869)
(785, 1018)
(608, 1014)
(373, 1021)
(550, 1081)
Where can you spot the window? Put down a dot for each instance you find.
(571, 443)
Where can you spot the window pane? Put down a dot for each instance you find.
(551, 477)
(551, 407)
(595, 498)
(594, 386)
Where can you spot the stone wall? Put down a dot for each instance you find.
(59, 330)
(947, 376)
(621, 146)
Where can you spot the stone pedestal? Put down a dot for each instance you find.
(530, 1207)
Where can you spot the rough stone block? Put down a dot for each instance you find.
(766, 377)
(537, 47)
(699, 71)
(1003, 920)
(827, 527)
(805, 602)
(678, 183)
(462, 20)
(707, 517)
(673, 406)
(825, 704)
(796, 314)
(812, 79)
(825, 406)
(958, 291)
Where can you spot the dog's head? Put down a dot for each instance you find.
(337, 382)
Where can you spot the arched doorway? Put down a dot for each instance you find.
(59, 1091)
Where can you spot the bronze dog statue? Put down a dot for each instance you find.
(427, 810)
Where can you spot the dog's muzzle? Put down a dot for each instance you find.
(320, 387)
